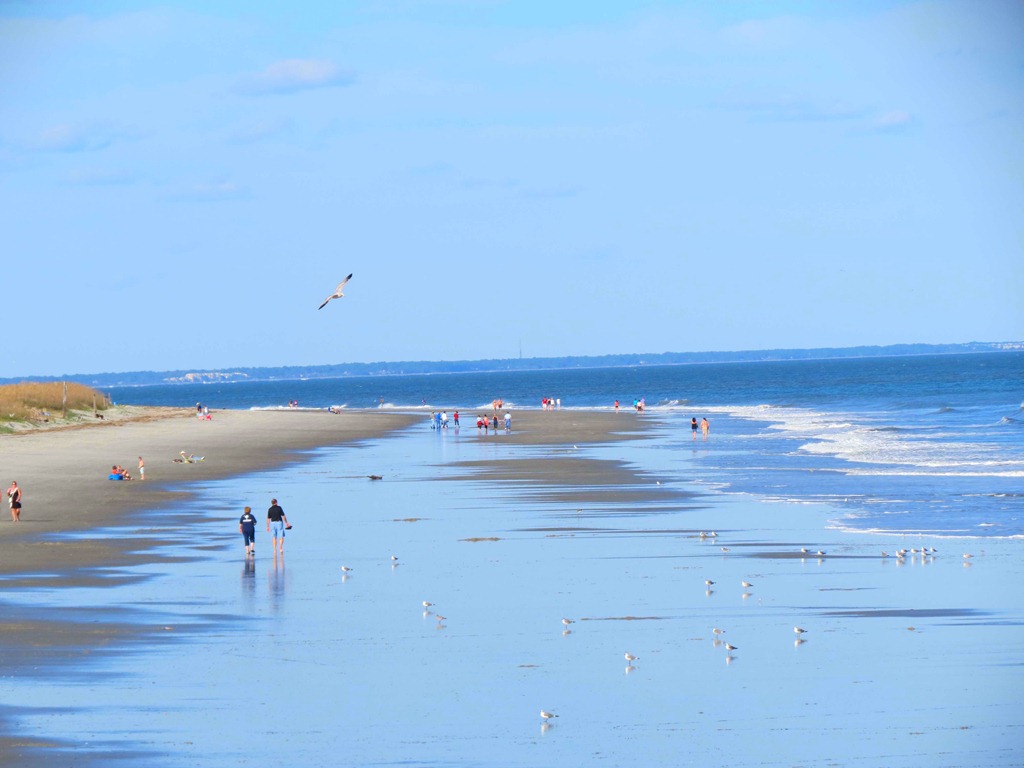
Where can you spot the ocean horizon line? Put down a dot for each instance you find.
(270, 373)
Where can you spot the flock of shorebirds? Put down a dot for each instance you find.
(925, 553)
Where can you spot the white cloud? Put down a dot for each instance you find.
(291, 75)
(72, 138)
(90, 177)
(893, 121)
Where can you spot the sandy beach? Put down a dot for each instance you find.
(506, 535)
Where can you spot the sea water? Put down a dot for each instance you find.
(894, 445)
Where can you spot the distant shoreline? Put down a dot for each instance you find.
(265, 374)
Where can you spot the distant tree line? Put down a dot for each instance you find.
(341, 370)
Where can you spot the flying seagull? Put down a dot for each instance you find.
(337, 293)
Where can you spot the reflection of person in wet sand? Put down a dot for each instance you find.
(705, 427)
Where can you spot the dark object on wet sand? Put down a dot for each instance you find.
(287, 527)
(376, 477)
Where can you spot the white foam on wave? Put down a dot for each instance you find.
(858, 439)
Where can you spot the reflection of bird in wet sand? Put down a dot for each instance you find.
(337, 293)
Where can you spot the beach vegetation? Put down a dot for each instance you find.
(41, 402)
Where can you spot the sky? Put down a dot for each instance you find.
(183, 183)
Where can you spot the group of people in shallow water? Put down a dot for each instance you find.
(705, 427)
(439, 420)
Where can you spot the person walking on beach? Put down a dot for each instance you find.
(277, 524)
(455, 418)
(247, 527)
(693, 427)
(14, 499)
(142, 469)
(616, 406)
(705, 426)
(508, 421)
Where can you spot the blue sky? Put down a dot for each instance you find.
(182, 184)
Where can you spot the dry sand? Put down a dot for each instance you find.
(63, 473)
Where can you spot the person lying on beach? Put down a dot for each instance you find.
(189, 459)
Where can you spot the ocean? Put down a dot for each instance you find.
(931, 444)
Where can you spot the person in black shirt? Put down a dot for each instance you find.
(247, 527)
(277, 522)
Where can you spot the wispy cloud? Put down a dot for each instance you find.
(786, 110)
(74, 138)
(210, 191)
(255, 131)
(896, 120)
(292, 75)
(101, 177)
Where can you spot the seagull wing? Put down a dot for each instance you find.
(342, 284)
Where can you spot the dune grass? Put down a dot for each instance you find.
(42, 401)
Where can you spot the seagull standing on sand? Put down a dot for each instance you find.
(630, 658)
(567, 622)
(337, 293)
(799, 630)
(547, 715)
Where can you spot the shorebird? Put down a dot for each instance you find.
(337, 293)
(440, 618)
(799, 630)
(630, 658)
(567, 622)
(547, 715)
(718, 631)
(708, 582)
(967, 556)
(804, 550)
(427, 604)
(725, 549)
(746, 584)
(345, 569)
(731, 647)
(394, 558)
(820, 553)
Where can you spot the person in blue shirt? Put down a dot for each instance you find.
(247, 527)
